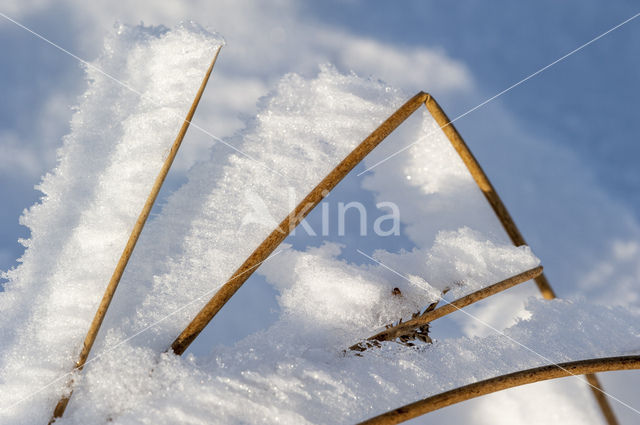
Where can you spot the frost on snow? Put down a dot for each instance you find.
(296, 370)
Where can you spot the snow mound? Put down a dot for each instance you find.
(287, 375)
(105, 170)
(341, 302)
(296, 371)
(209, 226)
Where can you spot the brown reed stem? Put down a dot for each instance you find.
(601, 398)
(504, 382)
(429, 316)
(314, 197)
(484, 184)
(94, 328)
(208, 312)
(508, 224)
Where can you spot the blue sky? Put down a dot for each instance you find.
(561, 148)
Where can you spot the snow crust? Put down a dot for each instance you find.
(295, 374)
(105, 170)
(295, 371)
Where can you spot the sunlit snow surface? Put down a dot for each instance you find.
(296, 370)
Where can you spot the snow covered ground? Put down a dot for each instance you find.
(298, 373)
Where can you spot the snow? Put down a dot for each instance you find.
(91, 200)
(206, 229)
(292, 374)
(296, 370)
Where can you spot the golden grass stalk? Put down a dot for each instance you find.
(262, 252)
(508, 224)
(305, 206)
(220, 298)
(504, 382)
(601, 399)
(94, 328)
(404, 328)
(484, 184)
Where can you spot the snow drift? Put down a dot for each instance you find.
(295, 371)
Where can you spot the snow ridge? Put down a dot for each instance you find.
(105, 170)
(295, 371)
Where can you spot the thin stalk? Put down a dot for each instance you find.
(220, 298)
(206, 314)
(429, 316)
(504, 382)
(109, 292)
(484, 184)
(509, 226)
(601, 399)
